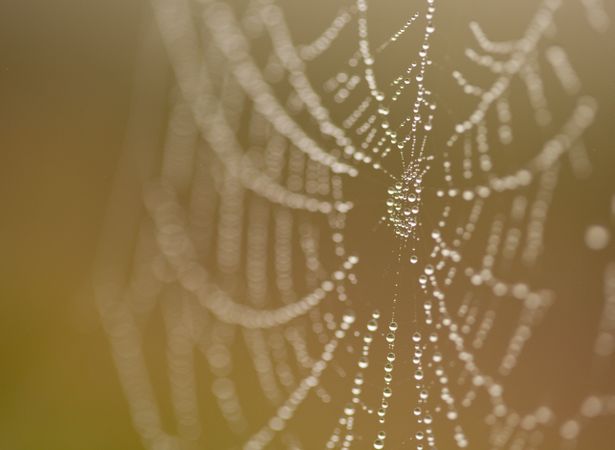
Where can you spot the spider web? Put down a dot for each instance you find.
(334, 253)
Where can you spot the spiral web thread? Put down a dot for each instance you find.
(242, 221)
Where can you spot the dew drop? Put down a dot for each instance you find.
(597, 237)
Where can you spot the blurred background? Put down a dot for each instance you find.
(66, 78)
(67, 75)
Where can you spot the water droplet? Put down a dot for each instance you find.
(349, 317)
(597, 237)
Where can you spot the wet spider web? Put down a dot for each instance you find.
(344, 241)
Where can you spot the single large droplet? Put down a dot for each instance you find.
(597, 237)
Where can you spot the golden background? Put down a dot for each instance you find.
(67, 76)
